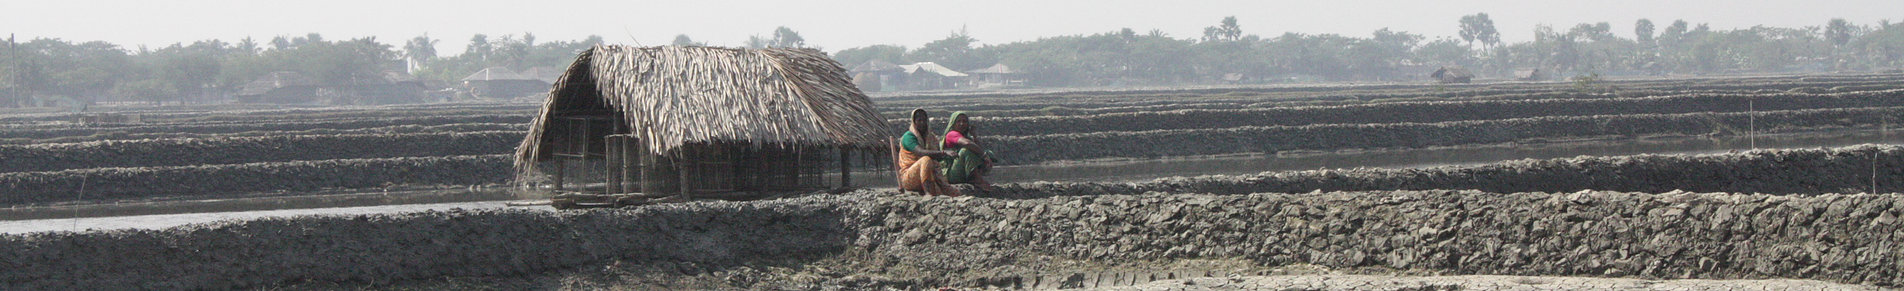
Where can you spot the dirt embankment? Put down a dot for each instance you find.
(385, 248)
(1104, 101)
(1028, 233)
(1831, 237)
(1270, 139)
(1853, 169)
(907, 240)
(1423, 112)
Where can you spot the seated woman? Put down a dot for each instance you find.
(972, 161)
(919, 158)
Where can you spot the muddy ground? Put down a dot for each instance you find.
(1053, 235)
(1853, 169)
(882, 239)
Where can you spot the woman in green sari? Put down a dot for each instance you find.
(972, 162)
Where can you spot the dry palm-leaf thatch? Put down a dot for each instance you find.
(673, 96)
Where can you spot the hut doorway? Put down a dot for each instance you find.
(578, 145)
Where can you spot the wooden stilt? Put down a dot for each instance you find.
(560, 164)
(612, 166)
(892, 149)
(685, 170)
(629, 162)
(794, 172)
(650, 171)
(846, 167)
(760, 170)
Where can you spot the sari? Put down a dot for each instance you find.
(919, 172)
(960, 169)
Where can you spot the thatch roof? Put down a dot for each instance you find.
(492, 74)
(673, 96)
(1452, 74)
(931, 68)
(544, 74)
(1528, 74)
(1000, 69)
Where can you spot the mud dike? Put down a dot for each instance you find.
(1796, 228)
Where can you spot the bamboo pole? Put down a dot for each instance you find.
(685, 169)
(760, 170)
(629, 162)
(650, 171)
(846, 167)
(560, 165)
(612, 163)
(638, 162)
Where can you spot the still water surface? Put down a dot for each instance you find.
(1101, 172)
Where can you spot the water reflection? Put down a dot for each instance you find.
(1094, 171)
(171, 220)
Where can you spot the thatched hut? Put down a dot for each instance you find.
(701, 120)
(931, 76)
(877, 75)
(997, 74)
(1529, 74)
(1452, 75)
(1235, 78)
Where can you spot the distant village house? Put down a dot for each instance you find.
(915, 76)
(996, 75)
(503, 83)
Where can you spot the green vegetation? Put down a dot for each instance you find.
(1124, 57)
(511, 51)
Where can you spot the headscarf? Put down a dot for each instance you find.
(953, 122)
(926, 139)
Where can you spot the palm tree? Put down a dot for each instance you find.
(419, 50)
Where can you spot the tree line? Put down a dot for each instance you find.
(211, 70)
(85, 72)
(1125, 57)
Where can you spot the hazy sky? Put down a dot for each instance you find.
(836, 25)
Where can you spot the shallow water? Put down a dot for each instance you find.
(171, 220)
(1090, 171)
